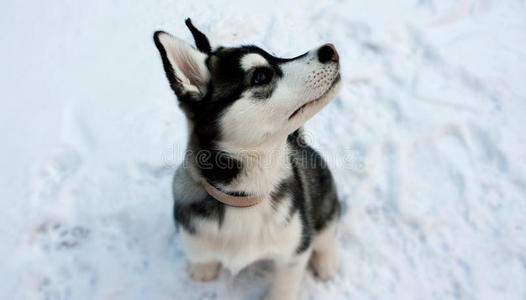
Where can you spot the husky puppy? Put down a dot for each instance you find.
(250, 188)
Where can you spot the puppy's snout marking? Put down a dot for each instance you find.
(328, 53)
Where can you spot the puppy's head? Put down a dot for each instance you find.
(244, 96)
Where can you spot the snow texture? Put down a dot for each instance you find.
(424, 141)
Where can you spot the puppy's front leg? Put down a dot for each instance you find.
(203, 271)
(287, 279)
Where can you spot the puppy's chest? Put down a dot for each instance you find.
(246, 235)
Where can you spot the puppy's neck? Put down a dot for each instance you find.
(255, 170)
(263, 167)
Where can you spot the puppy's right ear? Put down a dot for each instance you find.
(184, 66)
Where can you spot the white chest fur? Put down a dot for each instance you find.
(245, 236)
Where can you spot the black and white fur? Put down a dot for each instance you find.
(245, 108)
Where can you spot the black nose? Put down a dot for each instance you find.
(327, 53)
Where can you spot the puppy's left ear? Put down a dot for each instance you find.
(201, 41)
(184, 66)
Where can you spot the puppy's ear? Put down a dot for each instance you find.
(185, 66)
(201, 41)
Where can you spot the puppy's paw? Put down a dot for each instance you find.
(325, 264)
(279, 296)
(203, 272)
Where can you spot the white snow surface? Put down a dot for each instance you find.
(424, 142)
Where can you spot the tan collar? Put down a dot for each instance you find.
(237, 201)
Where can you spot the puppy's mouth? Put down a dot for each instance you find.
(310, 103)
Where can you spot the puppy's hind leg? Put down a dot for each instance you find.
(324, 258)
(287, 279)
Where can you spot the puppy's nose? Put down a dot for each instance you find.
(328, 53)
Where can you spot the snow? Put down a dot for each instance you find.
(425, 142)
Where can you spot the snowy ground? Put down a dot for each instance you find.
(424, 140)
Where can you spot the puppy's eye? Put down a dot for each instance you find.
(261, 76)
